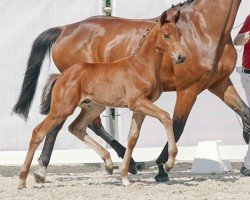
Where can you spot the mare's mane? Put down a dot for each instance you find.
(183, 3)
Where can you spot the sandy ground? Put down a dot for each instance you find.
(88, 182)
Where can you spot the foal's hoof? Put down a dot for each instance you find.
(132, 169)
(39, 178)
(168, 168)
(162, 177)
(126, 182)
(109, 169)
(21, 185)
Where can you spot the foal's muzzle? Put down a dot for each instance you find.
(181, 59)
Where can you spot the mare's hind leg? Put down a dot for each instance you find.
(79, 126)
(38, 135)
(98, 129)
(228, 94)
(45, 156)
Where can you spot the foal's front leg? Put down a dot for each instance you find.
(136, 122)
(184, 103)
(98, 129)
(146, 107)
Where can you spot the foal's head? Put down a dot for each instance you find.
(169, 38)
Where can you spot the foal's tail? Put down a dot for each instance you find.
(40, 48)
(46, 95)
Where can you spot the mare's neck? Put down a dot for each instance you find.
(232, 16)
(148, 54)
(203, 24)
(208, 16)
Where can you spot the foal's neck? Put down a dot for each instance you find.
(148, 53)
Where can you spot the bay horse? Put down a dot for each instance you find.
(133, 82)
(211, 57)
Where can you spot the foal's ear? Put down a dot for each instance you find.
(164, 18)
(176, 17)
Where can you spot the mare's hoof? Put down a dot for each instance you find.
(132, 169)
(162, 177)
(39, 178)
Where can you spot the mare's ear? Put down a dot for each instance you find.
(176, 17)
(164, 18)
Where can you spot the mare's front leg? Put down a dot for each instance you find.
(228, 94)
(184, 103)
(99, 130)
(136, 122)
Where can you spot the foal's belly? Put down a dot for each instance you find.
(105, 100)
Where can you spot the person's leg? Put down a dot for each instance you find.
(228, 94)
(245, 169)
(245, 80)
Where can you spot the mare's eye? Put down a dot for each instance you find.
(166, 36)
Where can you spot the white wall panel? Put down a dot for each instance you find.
(21, 21)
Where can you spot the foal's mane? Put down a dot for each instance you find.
(187, 2)
(144, 37)
(183, 3)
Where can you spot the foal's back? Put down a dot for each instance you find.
(106, 82)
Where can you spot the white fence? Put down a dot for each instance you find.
(21, 21)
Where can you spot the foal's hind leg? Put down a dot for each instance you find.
(38, 135)
(78, 128)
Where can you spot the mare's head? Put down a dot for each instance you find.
(169, 37)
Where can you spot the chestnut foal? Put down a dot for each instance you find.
(133, 82)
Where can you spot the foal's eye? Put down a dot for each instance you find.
(166, 36)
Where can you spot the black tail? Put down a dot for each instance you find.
(40, 48)
(46, 96)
